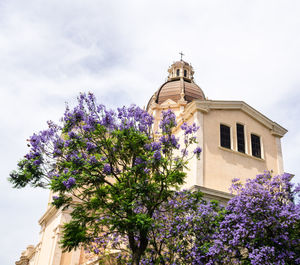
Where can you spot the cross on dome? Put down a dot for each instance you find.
(181, 54)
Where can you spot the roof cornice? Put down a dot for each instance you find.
(48, 214)
(206, 105)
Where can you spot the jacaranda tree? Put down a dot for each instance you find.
(182, 233)
(110, 169)
(261, 225)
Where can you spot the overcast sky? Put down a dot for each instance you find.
(120, 50)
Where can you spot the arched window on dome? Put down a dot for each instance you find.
(177, 72)
(185, 73)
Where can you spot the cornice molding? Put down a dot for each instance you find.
(212, 193)
(48, 214)
(206, 105)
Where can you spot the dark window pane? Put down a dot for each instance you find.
(255, 143)
(185, 73)
(225, 136)
(240, 138)
(177, 72)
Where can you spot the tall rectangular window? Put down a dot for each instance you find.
(240, 135)
(225, 136)
(255, 144)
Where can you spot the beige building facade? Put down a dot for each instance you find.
(237, 142)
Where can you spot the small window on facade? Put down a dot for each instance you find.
(255, 144)
(225, 136)
(185, 73)
(240, 135)
(177, 72)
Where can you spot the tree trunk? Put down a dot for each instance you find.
(138, 251)
(136, 258)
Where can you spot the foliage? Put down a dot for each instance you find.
(110, 169)
(182, 233)
(119, 178)
(184, 230)
(262, 223)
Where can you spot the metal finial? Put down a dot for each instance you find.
(181, 54)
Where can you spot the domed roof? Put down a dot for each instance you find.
(179, 89)
(180, 85)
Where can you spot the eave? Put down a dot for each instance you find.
(207, 105)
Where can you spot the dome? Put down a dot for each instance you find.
(180, 85)
(173, 90)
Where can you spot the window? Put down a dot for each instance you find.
(255, 144)
(177, 72)
(240, 135)
(225, 136)
(185, 73)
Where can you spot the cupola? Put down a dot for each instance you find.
(179, 87)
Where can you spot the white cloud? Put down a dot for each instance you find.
(51, 50)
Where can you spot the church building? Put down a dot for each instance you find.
(237, 141)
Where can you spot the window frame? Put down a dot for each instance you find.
(260, 146)
(244, 138)
(230, 136)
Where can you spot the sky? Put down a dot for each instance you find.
(121, 50)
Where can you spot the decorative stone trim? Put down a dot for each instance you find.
(211, 194)
(206, 105)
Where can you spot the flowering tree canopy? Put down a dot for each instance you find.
(261, 224)
(110, 168)
(182, 233)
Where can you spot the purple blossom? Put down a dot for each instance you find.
(168, 121)
(93, 160)
(260, 220)
(197, 151)
(37, 162)
(69, 183)
(107, 169)
(174, 141)
(184, 152)
(155, 146)
(90, 146)
(72, 135)
(157, 155)
(138, 161)
(189, 129)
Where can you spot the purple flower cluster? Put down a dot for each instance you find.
(184, 229)
(69, 183)
(107, 169)
(168, 121)
(197, 151)
(189, 129)
(155, 146)
(170, 141)
(135, 117)
(261, 222)
(157, 155)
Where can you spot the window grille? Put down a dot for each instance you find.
(255, 144)
(225, 136)
(240, 135)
